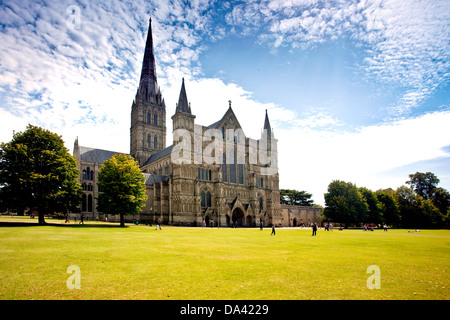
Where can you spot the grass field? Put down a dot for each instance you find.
(139, 262)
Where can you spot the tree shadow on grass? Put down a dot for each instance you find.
(67, 225)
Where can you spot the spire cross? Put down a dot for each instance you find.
(229, 102)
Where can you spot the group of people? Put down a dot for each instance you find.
(81, 219)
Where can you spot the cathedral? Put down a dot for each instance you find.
(210, 175)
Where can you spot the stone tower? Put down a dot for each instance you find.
(148, 111)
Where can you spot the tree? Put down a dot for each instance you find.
(344, 203)
(424, 184)
(38, 173)
(417, 212)
(389, 207)
(441, 199)
(294, 197)
(123, 188)
(374, 214)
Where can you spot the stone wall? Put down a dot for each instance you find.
(293, 216)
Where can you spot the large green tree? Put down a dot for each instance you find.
(38, 173)
(294, 197)
(417, 212)
(122, 185)
(441, 199)
(374, 214)
(424, 184)
(389, 207)
(344, 203)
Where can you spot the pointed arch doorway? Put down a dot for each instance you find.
(237, 217)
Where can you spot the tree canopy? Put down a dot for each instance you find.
(424, 184)
(38, 173)
(122, 185)
(423, 205)
(294, 197)
(344, 203)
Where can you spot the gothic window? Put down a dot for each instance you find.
(89, 203)
(232, 166)
(261, 204)
(208, 199)
(84, 174)
(92, 175)
(224, 169)
(199, 173)
(148, 118)
(203, 201)
(259, 182)
(155, 142)
(149, 145)
(223, 132)
(155, 119)
(241, 171)
(83, 202)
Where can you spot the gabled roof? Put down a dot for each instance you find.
(96, 155)
(159, 154)
(225, 119)
(151, 179)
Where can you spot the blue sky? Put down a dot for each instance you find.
(355, 90)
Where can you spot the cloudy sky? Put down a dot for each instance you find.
(355, 90)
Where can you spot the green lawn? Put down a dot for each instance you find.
(139, 262)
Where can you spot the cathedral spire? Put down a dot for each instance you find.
(183, 104)
(267, 127)
(148, 80)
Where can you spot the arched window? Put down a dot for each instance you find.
(84, 174)
(208, 199)
(149, 143)
(89, 203)
(241, 171)
(155, 119)
(232, 166)
(155, 142)
(92, 175)
(83, 203)
(88, 173)
(203, 201)
(224, 169)
(148, 118)
(261, 204)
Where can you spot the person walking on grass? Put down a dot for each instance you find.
(314, 229)
(273, 230)
(158, 224)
